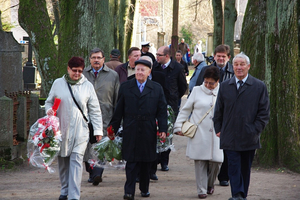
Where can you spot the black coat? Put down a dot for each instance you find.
(173, 81)
(224, 75)
(139, 112)
(241, 117)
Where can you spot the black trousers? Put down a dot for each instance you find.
(133, 170)
(223, 174)
(239, 169)
(162, 159)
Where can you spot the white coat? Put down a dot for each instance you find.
(205, 144)
(73, 127)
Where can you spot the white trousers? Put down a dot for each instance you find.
(206, 173)
(70, 174)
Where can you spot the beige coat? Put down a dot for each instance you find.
(205, 144)
(107, 87)
(74, 129)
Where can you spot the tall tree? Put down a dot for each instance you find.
(218, 22)
(274, 53)
(229, 22)
(80, 26)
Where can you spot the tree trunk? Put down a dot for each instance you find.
(37, 24)
(280, 140)
(229, 22)
(174, 39)
(129, 24)
(123, 12)
(104, 26)
(218, 22)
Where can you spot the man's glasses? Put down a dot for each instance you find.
(76, 70)
(94, 58)
(160, 54)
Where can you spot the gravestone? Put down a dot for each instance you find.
(11, 75)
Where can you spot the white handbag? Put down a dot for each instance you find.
(189, 129)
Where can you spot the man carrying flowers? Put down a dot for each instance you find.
(140, 103)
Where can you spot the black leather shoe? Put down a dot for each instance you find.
(224, 183)
(90, 180)
(128, 196)
(165, 168)
(153, 177)
(63, 197)
(97, 180)
(147, 194)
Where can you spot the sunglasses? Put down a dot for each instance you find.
(76, 70)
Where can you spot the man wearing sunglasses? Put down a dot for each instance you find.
(106, 84)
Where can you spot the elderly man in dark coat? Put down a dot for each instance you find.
(241, 113)
(140, 104)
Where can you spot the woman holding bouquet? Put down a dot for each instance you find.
(203, 148)
(74, 128)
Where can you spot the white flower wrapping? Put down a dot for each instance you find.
(44, 142)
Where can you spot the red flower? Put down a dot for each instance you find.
(110, 132)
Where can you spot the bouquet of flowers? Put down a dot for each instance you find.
(44, 140)
(165, 144)
(108, 150)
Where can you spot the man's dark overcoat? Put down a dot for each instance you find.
(139, 112)
(241, 117)
(173, 81)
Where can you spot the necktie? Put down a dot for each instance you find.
(163, 66)
(141, 88)
(96, 74)
(240, 86)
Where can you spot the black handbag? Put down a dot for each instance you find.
(90, 125)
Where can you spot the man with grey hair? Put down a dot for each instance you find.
(242, 111)
(198, 61)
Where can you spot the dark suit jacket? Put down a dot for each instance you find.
(139, 112)
(241, 117)
(173, 81)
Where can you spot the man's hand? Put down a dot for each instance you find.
(111, 136)
(218, 134)
(98, 137)
(162, 135)
(179, 133)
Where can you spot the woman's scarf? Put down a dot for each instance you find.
(69, 80)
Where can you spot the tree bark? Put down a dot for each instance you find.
(229, 23)
(123, 12)
(174, 39)
(129, 24)
(37, 24)
(274, 50)
(218, 22)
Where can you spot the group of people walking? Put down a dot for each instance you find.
(135, 95)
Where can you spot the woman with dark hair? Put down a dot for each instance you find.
(203, 148)
(73, 126)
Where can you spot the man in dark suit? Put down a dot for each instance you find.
(170, 74)
(221, 57)
(241, 113)
(140, 103)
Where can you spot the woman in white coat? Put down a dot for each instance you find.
(73, 127)
(203, 148)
